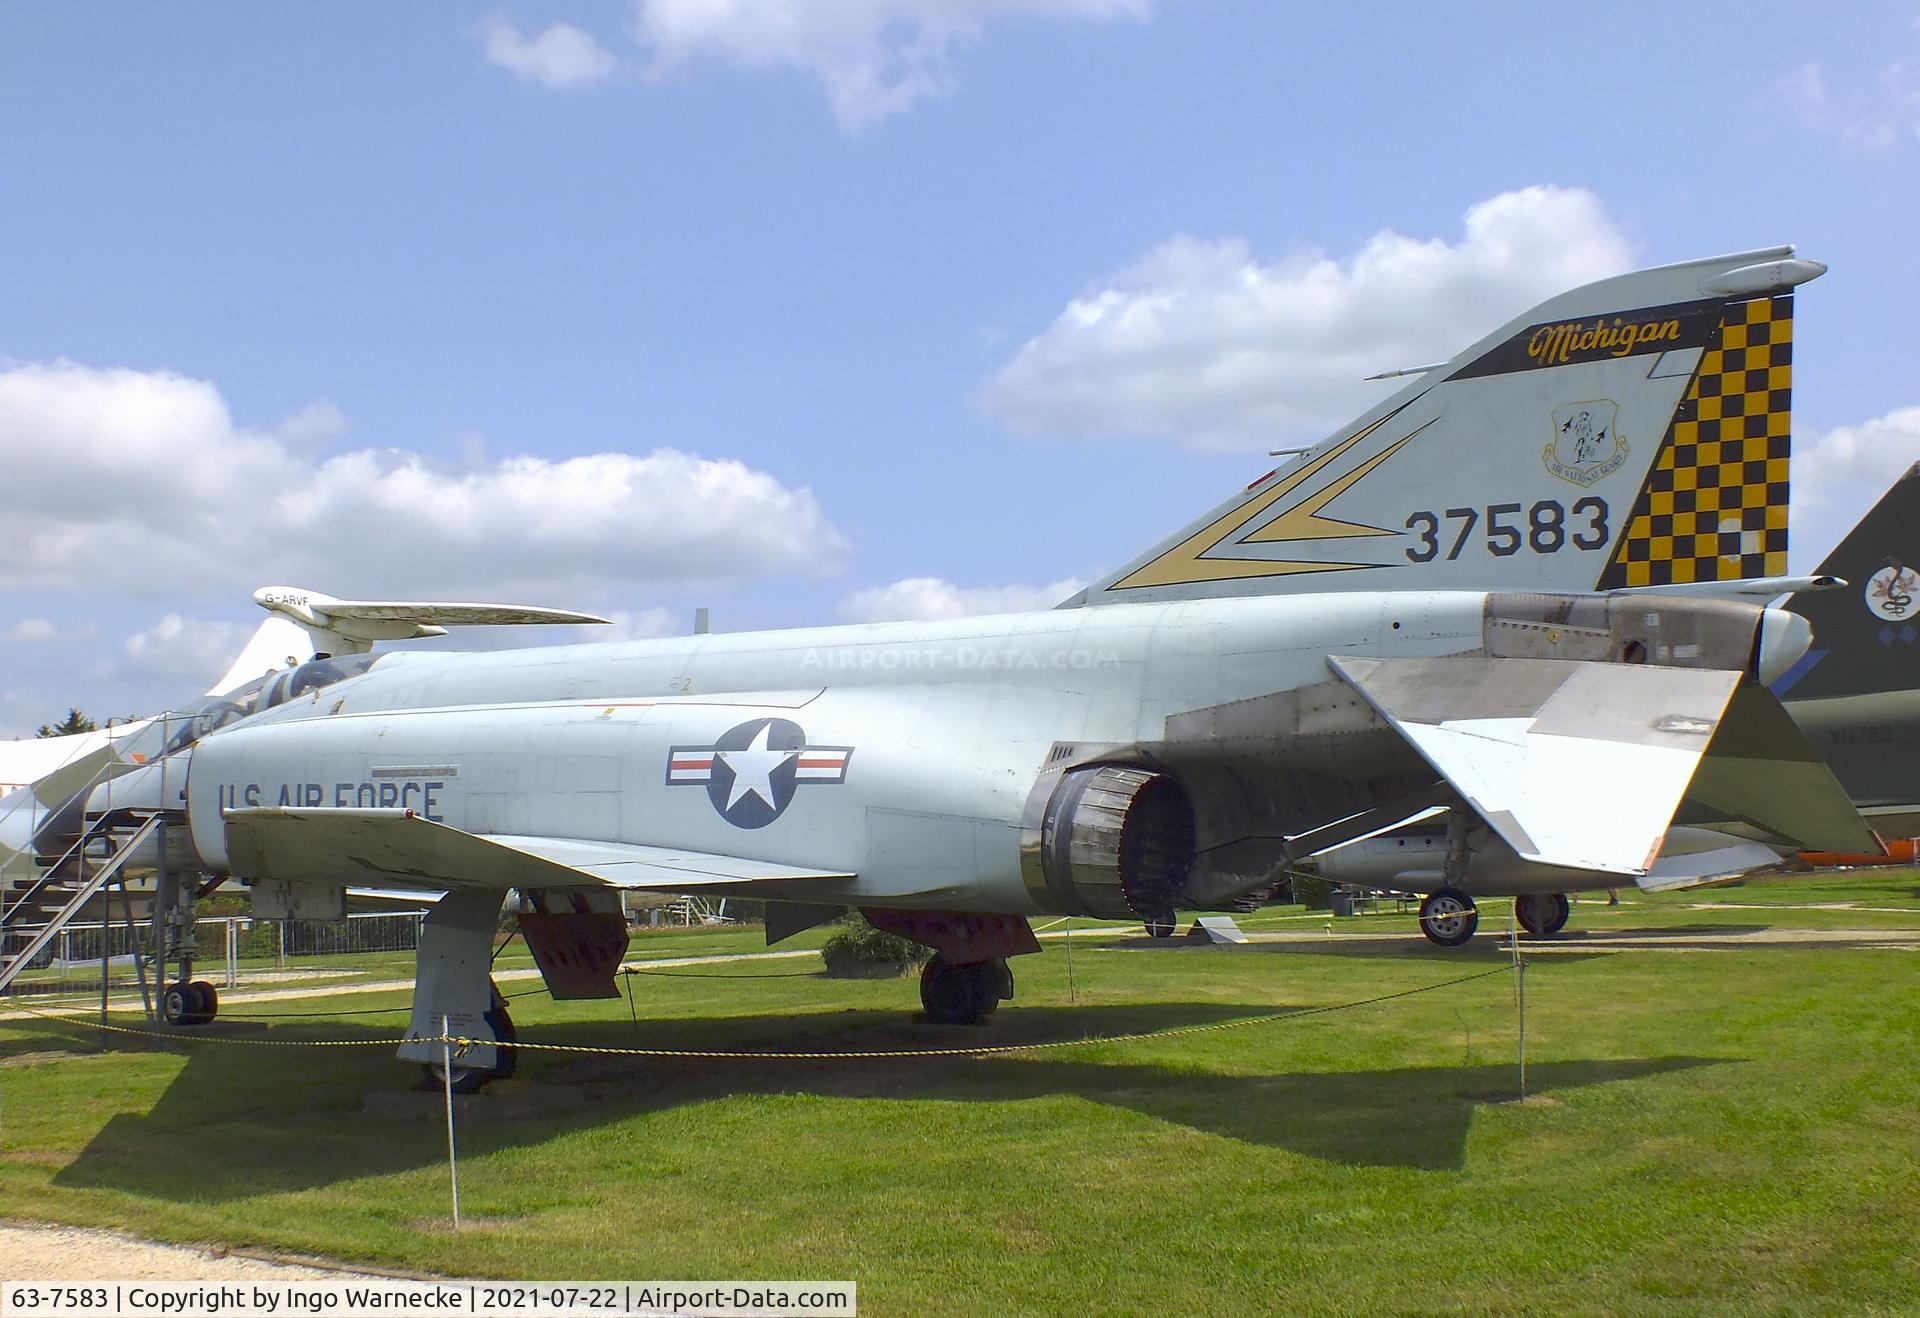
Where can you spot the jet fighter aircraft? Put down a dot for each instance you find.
(1391, 623)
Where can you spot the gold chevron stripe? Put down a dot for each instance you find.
(1186, 562)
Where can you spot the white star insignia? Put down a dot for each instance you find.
(753, 769)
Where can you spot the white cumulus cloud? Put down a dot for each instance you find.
(187, 647)
(1203, 341)
(561, 57)
(44, 631)
(919, 599)
(1868, 114)
(140, 481)
(873, 58)
(1840, 473)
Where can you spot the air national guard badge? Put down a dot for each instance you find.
(1585, 446)
(753, 769)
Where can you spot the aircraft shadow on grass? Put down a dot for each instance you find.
(240, 1122)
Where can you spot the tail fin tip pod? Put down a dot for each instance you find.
(1633, 432)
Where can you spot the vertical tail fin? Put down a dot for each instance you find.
(1632, 432)
(1866, 634)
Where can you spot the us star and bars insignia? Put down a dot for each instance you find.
(752, 770)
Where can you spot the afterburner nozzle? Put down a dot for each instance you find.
(1784, 638)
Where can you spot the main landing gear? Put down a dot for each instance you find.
(1162, 925)
(468, 1079)
(1542, 913)
(453, 994)
(193, 1003)
(965, 992)
(1449, 917)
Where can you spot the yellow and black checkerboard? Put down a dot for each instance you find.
(1714, 507)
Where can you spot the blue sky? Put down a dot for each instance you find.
(409, 299)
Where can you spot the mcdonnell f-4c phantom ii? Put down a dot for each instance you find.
(1404, 618)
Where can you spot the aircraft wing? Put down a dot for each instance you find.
(1584, 764)
(317, 845)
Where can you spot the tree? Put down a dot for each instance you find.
(74, 722)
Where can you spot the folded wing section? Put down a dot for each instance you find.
(1584, 764)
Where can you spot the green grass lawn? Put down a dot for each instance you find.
(1712, 1130)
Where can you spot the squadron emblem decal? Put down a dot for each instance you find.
(1892, 590)
(1586, 446)
(752, 770)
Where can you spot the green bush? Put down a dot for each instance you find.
(1312, 891)
(857, 950)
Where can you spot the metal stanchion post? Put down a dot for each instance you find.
(453, 1165)
(1519, 996)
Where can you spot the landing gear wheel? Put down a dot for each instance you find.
(963, 993)
(206, 1003)
(1163, 925)
(468, 1079)
(1542, 913)
(1449, 917)
(178, 1004)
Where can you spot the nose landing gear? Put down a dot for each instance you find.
(195, 1002)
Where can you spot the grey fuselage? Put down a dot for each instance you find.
(946, 729)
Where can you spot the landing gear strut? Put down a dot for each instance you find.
(964, 993)
(1449, 917)
(1542, 913)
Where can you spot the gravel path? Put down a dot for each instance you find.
(60, 1253)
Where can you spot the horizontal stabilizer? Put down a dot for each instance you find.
(1580, 764)
(1748, 588)
(377, 847)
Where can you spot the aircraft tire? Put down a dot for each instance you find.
(1163, 925)
(1448, 917)
(1542, 914)
(963, 993)
(206, 1002)
(1562, 908)
(177, 1004)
